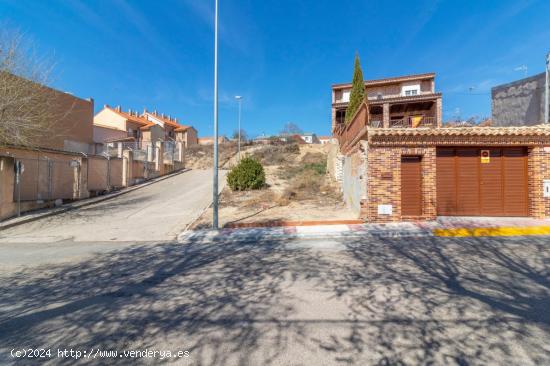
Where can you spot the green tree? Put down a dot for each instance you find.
(357, 94)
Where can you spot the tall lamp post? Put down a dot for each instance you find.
(215, 183)
(239, 100)
(547, 91)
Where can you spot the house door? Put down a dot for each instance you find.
(411, 186)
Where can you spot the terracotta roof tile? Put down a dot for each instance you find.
(129, 117)
(538, 130)
(390, 80)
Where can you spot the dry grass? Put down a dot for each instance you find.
(201, 156)
(298, 189)
(276, 154)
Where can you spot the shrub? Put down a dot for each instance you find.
(248, 174)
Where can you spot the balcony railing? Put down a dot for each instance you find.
(413, 122)
(348, 134)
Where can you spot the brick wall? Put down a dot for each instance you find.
(384, 182)
(539, 170)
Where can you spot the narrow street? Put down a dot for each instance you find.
(156, 212)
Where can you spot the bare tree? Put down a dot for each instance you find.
(244, 135)
(26, 105)
(291, 128)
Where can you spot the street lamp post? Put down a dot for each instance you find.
(547, 91)
(239, 99)
(215, 183)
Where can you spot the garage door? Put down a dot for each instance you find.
(482, 182)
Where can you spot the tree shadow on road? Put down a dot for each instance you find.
(218, 299)
(378, 301)
(447, 301)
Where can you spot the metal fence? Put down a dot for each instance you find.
(47, 179)
(169, 151)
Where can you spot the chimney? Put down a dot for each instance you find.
(105, 106)
(163, 115)
(117, 108)
(144, 110)
(155, 112)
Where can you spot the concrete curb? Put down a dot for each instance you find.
(285, 223)
(343, 231)
(37, 215)
(298, 232)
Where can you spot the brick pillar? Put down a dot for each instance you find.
(159, 158)
(150, 152)
(127, 164)
(180, 151)
(333, 119)
(535, 182)
(81, 177)
(386, 115)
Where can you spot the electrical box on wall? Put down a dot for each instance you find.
(546, 188)
(385, 209)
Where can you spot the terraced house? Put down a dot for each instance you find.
(114, 125)
(397, 162)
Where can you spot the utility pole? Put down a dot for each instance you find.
(215, 185)
(547, 91)
(239, 99)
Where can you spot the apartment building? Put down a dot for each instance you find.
(404, 101)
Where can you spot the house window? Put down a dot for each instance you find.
(345, 96)
(410, 90)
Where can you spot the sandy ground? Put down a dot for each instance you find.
(267, 205)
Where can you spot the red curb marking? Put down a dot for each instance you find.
(284, 223)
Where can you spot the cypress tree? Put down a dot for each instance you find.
(357, 94)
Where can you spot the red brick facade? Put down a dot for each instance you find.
(383, 168)
(384, 182)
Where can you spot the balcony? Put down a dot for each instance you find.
(391, 97)
(414, 122)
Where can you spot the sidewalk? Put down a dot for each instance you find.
(445, 226)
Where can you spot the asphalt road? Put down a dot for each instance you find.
(156, 212)
(361, 301)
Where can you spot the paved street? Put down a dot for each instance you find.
(355, 300)
(155, 212)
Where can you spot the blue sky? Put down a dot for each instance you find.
(281, 55)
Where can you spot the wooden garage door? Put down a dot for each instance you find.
(466, 186)
(411, 186)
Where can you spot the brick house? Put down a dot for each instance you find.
(394, 102)
(417, 171)
(70, 120)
